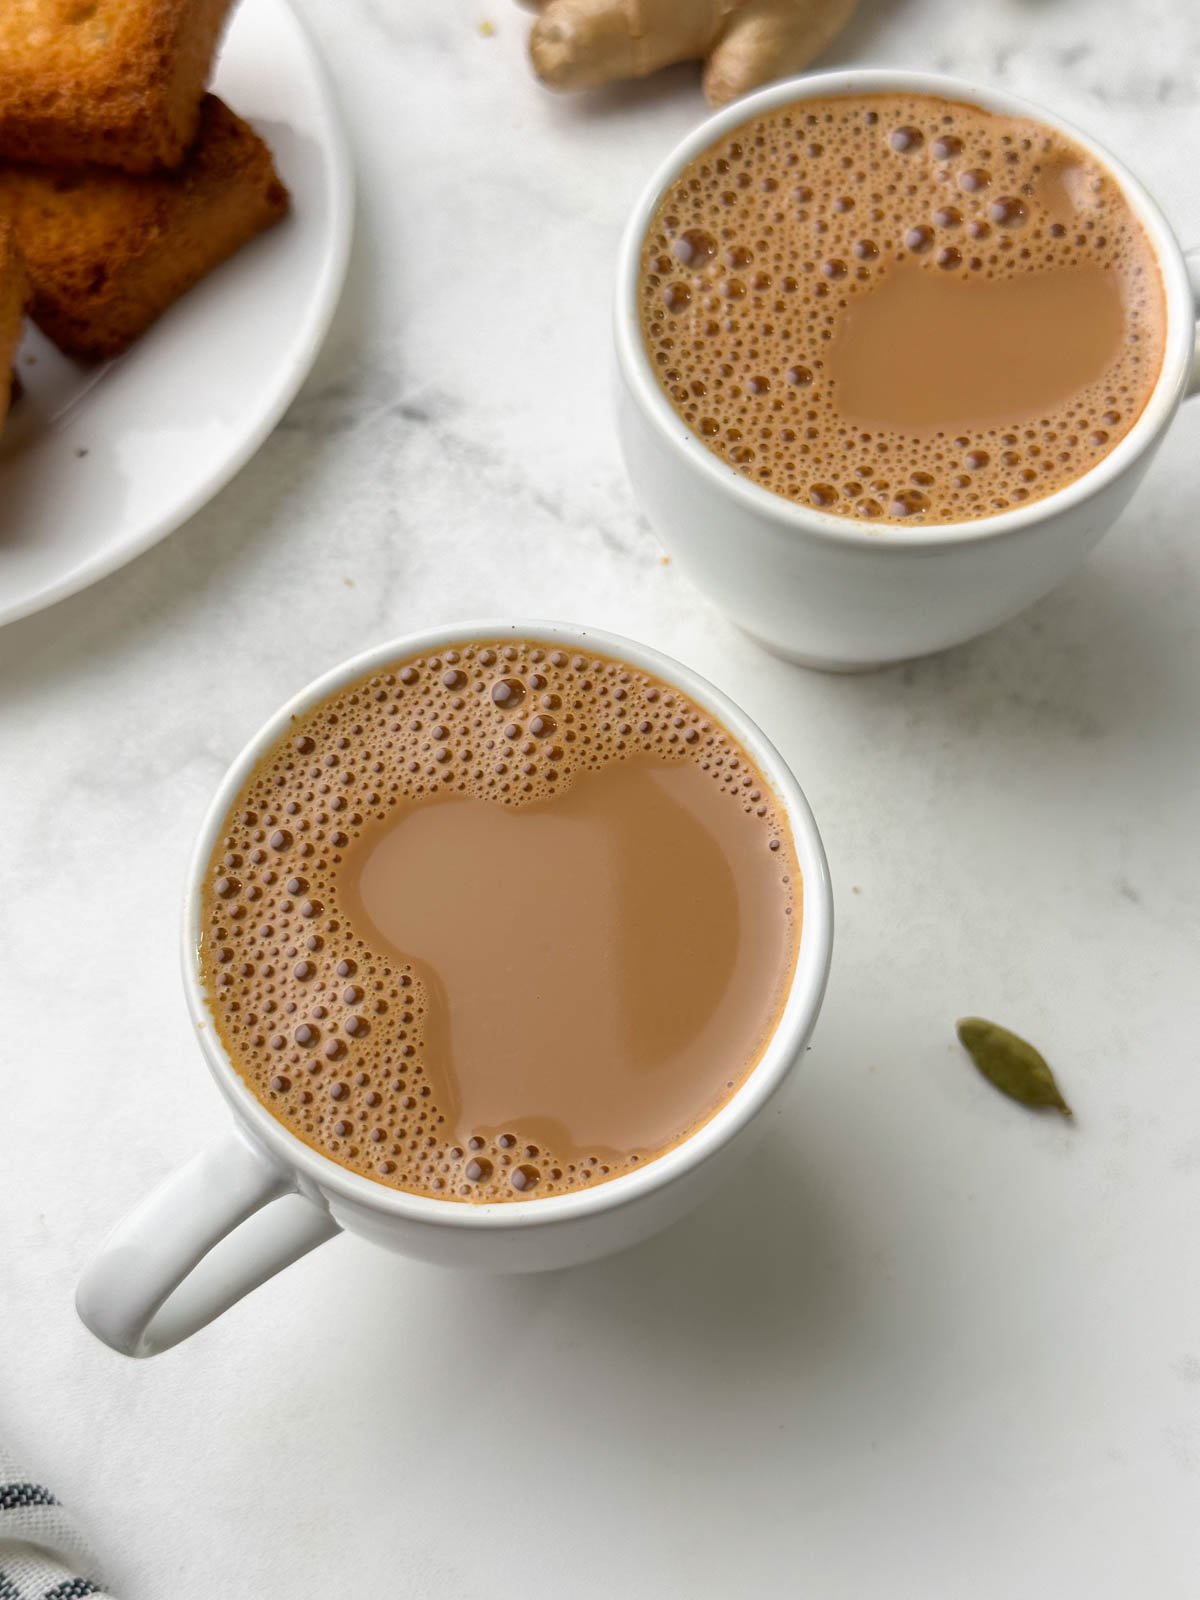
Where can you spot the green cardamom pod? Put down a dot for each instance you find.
(1011, 1064)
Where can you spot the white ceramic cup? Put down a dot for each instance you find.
(260, 1197)
(832, 593)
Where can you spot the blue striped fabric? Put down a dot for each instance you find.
(43, 1555)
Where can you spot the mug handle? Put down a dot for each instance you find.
(159, 1277)
(1191, 259)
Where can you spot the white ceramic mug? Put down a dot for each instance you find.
(260, 1197)
(823, 590)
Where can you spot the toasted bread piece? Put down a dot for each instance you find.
(117, 82)
(14, 293)
(107, 253)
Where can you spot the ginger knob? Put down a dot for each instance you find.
(581, 44)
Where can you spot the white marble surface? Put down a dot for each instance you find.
(931, 1346)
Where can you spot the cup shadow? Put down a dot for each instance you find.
(1092, 662)
(769, 1305)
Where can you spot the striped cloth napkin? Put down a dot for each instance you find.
(43, 1555)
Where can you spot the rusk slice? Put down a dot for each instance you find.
(117, 82)
(14, 292)
(107, 253)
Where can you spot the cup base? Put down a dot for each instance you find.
(828, 664)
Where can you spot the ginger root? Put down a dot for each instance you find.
(581, 44)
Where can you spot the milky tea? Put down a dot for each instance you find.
(899, 308)
(500, 922)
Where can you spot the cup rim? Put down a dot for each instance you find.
(889, 537)
(783, 1050)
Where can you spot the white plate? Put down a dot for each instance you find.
(97, 464)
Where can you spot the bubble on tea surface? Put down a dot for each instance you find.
(695, 247)
(1008, 212)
